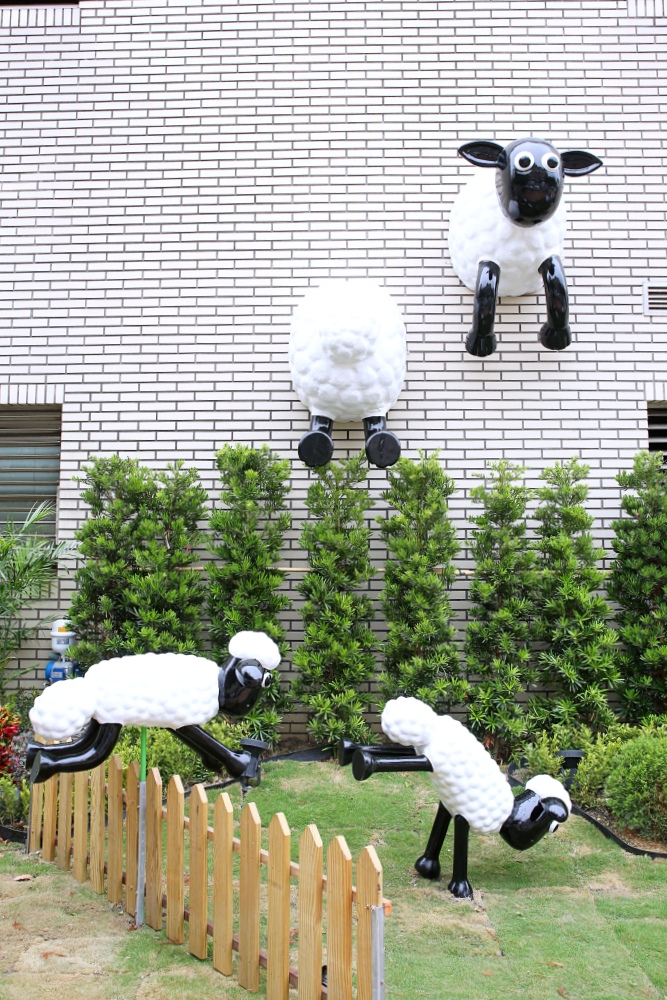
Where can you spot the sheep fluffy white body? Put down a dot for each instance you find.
(468, 781)
(479, 230)
(167, 690)
(347, 351)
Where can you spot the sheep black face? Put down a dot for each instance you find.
(491, 255)
(240, 682)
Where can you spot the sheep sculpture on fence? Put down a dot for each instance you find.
(347, 357)
(507, 229)
(469, 783)
(170, 690)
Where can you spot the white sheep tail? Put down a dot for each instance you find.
(63, 709)
(408, 721)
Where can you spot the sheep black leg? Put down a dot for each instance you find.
(555, 334)
(459, 885)
(365, 763)
(316, 446)
(382, 447)
(216, 755)
(45, 765)
(481, 341)
(347, 750)
(64, 750)
(428, 865)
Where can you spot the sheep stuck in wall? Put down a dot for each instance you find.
(506, 233)
(347, 356)
(469, 783)
(170, 690)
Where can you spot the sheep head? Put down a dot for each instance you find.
(530, 174)
(247, 672)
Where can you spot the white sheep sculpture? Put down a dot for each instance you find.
(506, 233)
(347, 355)
(470, 785)
(169, 690)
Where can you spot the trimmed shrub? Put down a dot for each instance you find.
(638, 584)
(636, 788)
(14, 802)
(420, 658)
(336, 657)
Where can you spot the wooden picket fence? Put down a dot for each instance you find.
(90, 821)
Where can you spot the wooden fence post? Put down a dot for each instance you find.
(154, 849)
(339, 920)
(249, 879)
(369, 894)
(80, 826)
(175, 859)
(198, 872)
(223, 883)
(115, 831)
(131, 836)
(97, 826)
(277, 974)
(35, 841)
(310, 914)
(50, 811)
(64, 820)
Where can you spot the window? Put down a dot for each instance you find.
(29, 461)
(657, 427)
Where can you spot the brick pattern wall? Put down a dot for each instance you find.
(174, 175)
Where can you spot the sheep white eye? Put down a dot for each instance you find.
(553, 827)
(266, 680)
(550, 161)
(524, 162)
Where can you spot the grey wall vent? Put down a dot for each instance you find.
(647, 8)
(655, 297)
(657, 427)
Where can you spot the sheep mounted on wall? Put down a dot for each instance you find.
(173, 691)
(471, 787)
(347, 355)
(507, 229)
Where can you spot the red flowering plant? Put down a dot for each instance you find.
(9, 727)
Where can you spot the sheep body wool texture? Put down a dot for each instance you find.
(478, 230)
(468, 781)
(347, 351)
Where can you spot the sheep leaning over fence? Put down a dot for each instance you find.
(469, 783)
(169, 690)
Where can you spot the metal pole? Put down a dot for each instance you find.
(141, 860)
(377, 951)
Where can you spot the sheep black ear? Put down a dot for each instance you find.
(577, 162)
(481, 153)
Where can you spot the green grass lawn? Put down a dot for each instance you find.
(575, 917)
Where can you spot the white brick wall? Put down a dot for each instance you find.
(175, 174)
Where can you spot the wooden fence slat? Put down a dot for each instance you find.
(97, 826)
(131, 836)
(64, 820)
(369, 894)
(50, 810)
(175, 860)
(310, 914)
(154, 849)
(35, 841)
(223, 883)
(339, 920)
(80, 866)
(115, 830)
(198, 897)
(278, 927)
(249, 879)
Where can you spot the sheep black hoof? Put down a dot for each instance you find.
(555, 340)
(461, 890)
(383, 449)
(481, 347)
(428, 867)
(315, 449)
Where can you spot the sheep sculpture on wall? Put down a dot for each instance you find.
(347, 356)
(507, 229)
(469, 783)
(170, 690)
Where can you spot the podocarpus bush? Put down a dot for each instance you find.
(497, 644)
(244, 586)
(638, 584)
(636, 787)
(571, 620)
(336, 657)
(420, 658)
(135, 591)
